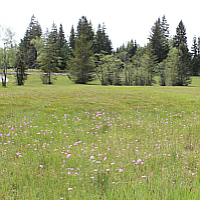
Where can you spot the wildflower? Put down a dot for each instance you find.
(68, 173)
(121, 170)
(70, 188)
(105, 158)
(68, 155)
(139, 161)
(91, 157)
(107, 170)
(41, 166)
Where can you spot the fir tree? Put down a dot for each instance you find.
(48, 59)
(158, 40)
(81, 67)
(27, 49)
(72, 38)
(195, 62)
(180, 36)
(102, 41)
(63, 49)
(85, 28)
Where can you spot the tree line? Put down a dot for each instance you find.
(89, 55)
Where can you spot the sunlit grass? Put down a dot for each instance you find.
(67, 141)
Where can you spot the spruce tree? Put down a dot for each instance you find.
(48, 58)
(85, 28)
(158, 40)
(81, 67)
(63, 49)
(195, 62)
(180, 36)
(180, 42)
(102, 41)
(72, 38)
(27, 49)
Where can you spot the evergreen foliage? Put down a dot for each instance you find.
(180, 36)
(27, 49)
(109, 69)
(20, 69)
(72, 40)
(159, 39)
(81, 67)
(63, 49)
(102, 41)
(195, 62)
(48, 58)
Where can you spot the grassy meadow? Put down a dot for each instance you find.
(67, 141)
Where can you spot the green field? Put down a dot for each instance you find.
(67, 141)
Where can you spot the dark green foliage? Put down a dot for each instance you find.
(27, 49)
(195, 62)
(180, 36)
(109, 69)
(63, 49)
(48, 58)
(81, 67)
(159, 39)
(85, 28)
(72, 40)
(20, 69)
(102, 41)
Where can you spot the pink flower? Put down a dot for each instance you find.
(91, 157)
(70, 188)
(68, 173)
(121, 170)
(68, 155)
(41, 166)
(105, 158)
(139, 161)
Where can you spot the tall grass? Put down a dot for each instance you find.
(67, 141)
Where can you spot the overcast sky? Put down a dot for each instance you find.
(124, 19)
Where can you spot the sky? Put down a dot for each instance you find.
(124, 19)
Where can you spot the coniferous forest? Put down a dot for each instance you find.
(88, 55)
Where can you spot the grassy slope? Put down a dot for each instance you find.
(61, 126)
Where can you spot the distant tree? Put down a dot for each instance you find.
(158, 39)
(149, 63)
(174, 69)
(81, 67)
(63, 49)
(85, 28)
(195, 62)
(109, 69)
(72, 39)
(20, 69)
(102, 41)
(29, 52)
(48, 58)
(165, 27)
(180, 36)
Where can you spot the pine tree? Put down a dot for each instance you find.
(165, 27)
(194, 47)
(180, 42)
(20, 68)
(195, 62)
(85, 28)
(72, 38)
(27, 49)
(81, 67)
(102, 41)
(63, 49)
(48, 58)
(180, 36)
(158, 39)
